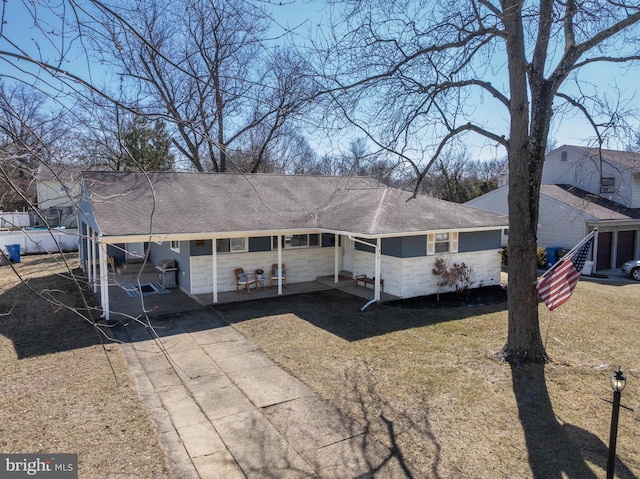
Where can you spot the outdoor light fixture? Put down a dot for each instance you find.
(618, 382)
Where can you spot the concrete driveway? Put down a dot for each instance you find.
(223, 409)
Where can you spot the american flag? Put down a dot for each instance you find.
(559, 281)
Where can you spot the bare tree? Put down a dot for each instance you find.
(30, 135)
(207, 67)
(416, 77)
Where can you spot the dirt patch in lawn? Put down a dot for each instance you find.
(424, 380)
(64, 387)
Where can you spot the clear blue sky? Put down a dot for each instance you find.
(20, 27)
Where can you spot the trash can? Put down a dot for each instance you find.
(167, 273)
(13, 252)
(552, 256)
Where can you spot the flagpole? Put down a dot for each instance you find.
(572, 250)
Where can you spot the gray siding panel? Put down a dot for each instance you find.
(405, 246)
(158, 252)
(398, 247)
(478, 241)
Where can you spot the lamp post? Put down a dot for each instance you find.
(618, 382)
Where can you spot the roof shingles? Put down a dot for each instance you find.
(173, 203)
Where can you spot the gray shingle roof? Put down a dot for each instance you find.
(594, 205)
(175, 203)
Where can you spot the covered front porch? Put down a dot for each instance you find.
(124, 307)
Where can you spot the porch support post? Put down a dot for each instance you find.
(336, 258)
(613, 259)
(214, 269)
(378, 257)
(280, 265)
(104, 281)
(594, 250)
(92, 263)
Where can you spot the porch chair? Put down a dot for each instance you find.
(275, 274)
(245, 280)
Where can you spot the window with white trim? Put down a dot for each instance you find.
(231, 245)
(438, 243)
(175, 246)
(298, 241)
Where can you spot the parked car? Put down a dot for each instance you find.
(632, 268)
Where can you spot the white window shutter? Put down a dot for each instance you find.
(453, 242)
(431, 244)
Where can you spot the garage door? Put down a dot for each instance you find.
(626, 246)
(604, 250)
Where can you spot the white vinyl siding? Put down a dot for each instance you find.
(635, 191)
(494, 201)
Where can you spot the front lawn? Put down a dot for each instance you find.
(425, 381)
(63, 387)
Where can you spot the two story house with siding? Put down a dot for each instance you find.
(584, 188)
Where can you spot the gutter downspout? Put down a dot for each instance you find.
(378, 259)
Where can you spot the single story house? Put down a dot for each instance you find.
(212, 223)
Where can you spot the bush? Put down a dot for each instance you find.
(541, 254)
(459, 276)
(504, 252)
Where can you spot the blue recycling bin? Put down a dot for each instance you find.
(13, 252)
(552, 256)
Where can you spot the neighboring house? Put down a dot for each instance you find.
(585, 188)
(58, 191)
(50, 225)
(210, 224)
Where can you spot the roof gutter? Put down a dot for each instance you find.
(159, 238)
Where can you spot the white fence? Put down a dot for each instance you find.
(41, 240)
(14, 220)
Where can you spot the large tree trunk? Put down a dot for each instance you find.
(524, 342)
(526, 156)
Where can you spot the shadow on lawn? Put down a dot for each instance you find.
(47, 315)
(377, 414)
(339, 313)
(556, 450)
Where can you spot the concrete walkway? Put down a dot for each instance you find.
(223, 409)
